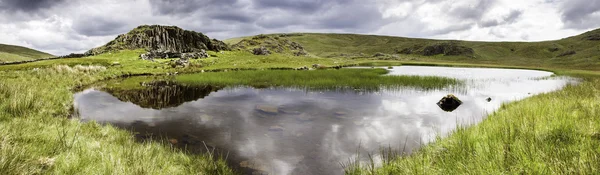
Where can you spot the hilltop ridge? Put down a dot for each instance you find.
(11, 53)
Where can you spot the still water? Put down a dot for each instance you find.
(298, 131)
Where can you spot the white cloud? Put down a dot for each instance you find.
(61, 27)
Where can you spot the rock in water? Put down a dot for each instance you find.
(488, 99)
(449, 103)
(166, 38)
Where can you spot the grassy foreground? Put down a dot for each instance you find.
(38, 137)
(553, 133)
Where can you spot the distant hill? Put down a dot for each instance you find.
(581, 51)
(165, 38)
(10, 53)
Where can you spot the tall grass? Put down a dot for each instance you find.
(370, 79)
(553, 133)
(37, 137)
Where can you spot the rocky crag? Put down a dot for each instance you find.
(167, 39)
(267, 44)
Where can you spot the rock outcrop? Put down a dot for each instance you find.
(259, 44)
(451, 48)
(261, 51)
(161, 38)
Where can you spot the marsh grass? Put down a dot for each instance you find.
(553, 133)
(368, 79)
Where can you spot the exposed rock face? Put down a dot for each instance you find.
(261, 51)
(444, 48)
(163, 38)
(448, 49)
(259, 43)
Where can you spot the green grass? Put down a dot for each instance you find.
(524, 54)
(10, 53)
(368, 79)
(553, 133)
(39, 138)
(549, 133)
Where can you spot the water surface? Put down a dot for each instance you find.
(297, 131)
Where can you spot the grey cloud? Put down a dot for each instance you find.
(511, 18)
(453, 28)
(236, 17)
(580, 14)
(305, 6)
(99, 26)
(27, 5)
(473, 12)
(183, 7)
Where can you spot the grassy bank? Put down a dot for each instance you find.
(553, 133)
(39, 138)
(369, 79)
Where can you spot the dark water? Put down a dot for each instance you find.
(295, 131)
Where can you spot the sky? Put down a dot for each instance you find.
(60, 27)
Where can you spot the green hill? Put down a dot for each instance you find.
(581, 51)
(10, 53)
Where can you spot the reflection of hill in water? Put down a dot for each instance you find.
(162, 94)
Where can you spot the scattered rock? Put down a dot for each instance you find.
(276, 128)
(261, 51)
(449, 103)
(567, 53)
(268, 109)
(379, 54)
(195, 55)
(300, 53)
(448, 49)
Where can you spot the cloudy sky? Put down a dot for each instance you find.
(64, 26)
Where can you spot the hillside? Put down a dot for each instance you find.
(581, 51)
(164, 38)
(10, 53)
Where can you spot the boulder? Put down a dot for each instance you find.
(488, 99)
(195, 55)
(300, 53)
(261, 51)
(379, 54)
(449, 103)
